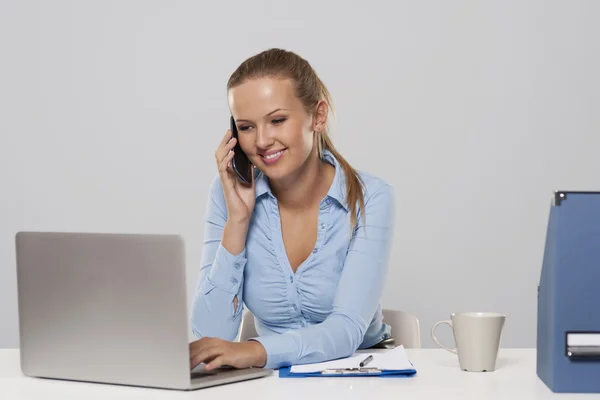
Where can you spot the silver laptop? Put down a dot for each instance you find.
(108, 308)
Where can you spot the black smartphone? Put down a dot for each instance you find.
(240, 163)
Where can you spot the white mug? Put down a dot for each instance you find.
(477, 337)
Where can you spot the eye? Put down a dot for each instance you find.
(278, 121)
(243, 128)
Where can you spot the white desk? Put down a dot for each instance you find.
(438, 377)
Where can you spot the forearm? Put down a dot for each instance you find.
(234, 236)
(336, 337)
(213, 315)
(217, 303)
(218, 297)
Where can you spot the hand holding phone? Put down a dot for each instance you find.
(239, 195)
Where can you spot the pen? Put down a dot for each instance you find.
(366, 361)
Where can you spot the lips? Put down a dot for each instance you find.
(272, 157)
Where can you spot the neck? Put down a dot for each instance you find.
(307, 187)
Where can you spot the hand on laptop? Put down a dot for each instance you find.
(217, 352)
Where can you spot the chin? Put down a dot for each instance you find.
(283, 169)
(277, 173)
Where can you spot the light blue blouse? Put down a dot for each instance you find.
(326, 310)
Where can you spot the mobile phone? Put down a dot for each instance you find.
(240, 163)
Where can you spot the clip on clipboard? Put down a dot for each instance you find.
(389, 364)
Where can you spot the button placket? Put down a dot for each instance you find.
(322, 225)
(276, 236)
(281, 257)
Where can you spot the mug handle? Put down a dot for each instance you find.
(449, 323)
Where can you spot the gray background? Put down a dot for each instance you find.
(475, 111)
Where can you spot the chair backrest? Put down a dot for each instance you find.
(405, 328)
(248, 330)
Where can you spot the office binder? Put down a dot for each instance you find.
(568, 321)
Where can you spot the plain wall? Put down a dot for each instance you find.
(475, 111)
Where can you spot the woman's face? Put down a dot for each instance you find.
(274, 130)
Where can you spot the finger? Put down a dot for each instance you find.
(216, 363)
(223, 142)
(205, 355)
(224, 148)
(200, 343)
(226, 161)
(195, 363)
(226, 138)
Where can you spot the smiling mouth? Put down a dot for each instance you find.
(270, 159)
(273, 155)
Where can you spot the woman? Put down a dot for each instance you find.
(305, 246)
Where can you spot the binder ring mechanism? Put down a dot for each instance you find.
(583, 345)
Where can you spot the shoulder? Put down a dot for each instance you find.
(216, 196)
(375, 187)
(215, 188)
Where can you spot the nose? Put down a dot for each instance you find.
(264, 138)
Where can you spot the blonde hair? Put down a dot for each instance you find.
(310, 90)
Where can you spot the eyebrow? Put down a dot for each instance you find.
(271, 113)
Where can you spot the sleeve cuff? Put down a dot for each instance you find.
(280, 349)
(228, 270)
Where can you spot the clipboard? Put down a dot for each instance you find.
(285, 372)
(388, 364)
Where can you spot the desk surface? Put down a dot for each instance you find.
(438, 377)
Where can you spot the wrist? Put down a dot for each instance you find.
(260, 354)
(234, 236)
(238, 222)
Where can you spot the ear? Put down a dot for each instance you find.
(320, 116)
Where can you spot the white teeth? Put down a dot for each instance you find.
(270, 156)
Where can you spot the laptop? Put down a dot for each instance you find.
(109, 308)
